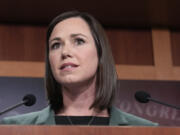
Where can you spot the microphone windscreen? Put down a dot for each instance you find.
(29, 100)
(142, 96)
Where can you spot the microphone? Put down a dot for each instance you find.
(144, 97)
(28, 100)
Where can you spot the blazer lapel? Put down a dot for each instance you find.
(117, 118)
(46, 117)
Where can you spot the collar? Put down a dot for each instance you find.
(116, 117)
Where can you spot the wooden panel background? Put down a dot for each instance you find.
(139, 54)
(131, 47)
(175, 45)
(22, 43)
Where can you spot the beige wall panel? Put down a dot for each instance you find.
(136, 72)
(162, 54)
(22, 69)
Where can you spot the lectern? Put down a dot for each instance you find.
(87, 130)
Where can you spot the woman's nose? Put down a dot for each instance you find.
(66, 52)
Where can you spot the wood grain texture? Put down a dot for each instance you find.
(136, 72)
(22, 69)
(162, 53)
(87, 130)
(22, 43)
(175, 46)
(131, 47)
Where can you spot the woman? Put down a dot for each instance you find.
(80, 77)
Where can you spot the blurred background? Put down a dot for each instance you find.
(145, 41)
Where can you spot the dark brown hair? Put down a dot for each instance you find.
(106, 72)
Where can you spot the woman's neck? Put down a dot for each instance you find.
(77, 100)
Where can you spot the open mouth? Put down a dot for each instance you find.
(68, 66)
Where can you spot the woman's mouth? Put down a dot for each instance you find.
(67, 66)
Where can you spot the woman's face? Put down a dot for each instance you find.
(72, 52)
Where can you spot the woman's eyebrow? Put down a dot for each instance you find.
(55, 39)
(78, 34)
(72, 35)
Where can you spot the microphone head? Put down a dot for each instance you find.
(142, 96)
(29, 100)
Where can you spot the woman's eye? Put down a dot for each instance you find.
(55, 46)
(79, 41)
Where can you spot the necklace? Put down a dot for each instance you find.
(89, 123)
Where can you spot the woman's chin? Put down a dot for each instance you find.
(70, 82)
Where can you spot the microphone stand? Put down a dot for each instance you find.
(12, 107)
(162, 103)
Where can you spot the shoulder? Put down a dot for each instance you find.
(119, 117)
(29, 118)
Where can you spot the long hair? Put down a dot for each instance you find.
(106, 72)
